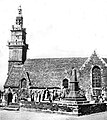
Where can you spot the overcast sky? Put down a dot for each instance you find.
(55, 28)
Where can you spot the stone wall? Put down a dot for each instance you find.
(83, 109)
(91, 108)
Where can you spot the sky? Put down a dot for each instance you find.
(55, 28)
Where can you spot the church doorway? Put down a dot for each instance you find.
(10, 96)
(96, 81)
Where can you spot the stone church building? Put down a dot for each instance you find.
(51, 73)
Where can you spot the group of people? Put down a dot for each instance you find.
(34, 95)
(98, 99)
(46, 95)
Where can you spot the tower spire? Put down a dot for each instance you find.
(19, 19)
(20, 11)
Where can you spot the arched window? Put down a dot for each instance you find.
(96, 77)
(23, 83)
(96, 80)
(65, 83)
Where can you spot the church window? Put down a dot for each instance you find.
(96, 77)
(96, 80)
(23, 83)
(65, 83)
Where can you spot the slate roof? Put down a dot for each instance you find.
(49, 72)
(44, 72)
(105, 59)
(14, 76)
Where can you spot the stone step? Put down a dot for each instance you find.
(11, 108)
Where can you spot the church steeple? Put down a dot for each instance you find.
(19, 18)
(20, 10)
(17, 45)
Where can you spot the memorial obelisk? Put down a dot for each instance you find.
(74, 90)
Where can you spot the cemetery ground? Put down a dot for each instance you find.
(28, 115)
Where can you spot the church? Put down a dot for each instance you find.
(30, 75)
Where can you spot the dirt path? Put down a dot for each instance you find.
(25, 115)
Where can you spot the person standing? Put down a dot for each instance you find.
(32, 96)
(35, 96)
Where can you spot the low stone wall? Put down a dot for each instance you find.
(80, 109)
(91, 108)
(47, 106)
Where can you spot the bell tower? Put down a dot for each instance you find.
(17, 45)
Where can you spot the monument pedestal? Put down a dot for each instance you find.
(74, 98)
(74, 94)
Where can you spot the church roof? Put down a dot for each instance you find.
(105, 59)
(14, 76)
(44, 72)
(49, 72)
